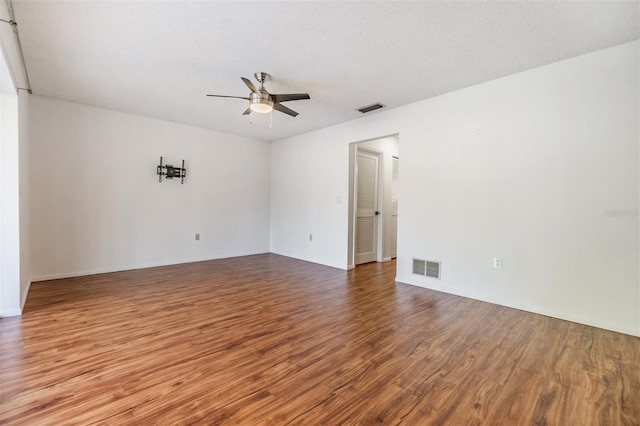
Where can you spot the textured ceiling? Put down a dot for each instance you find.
(158, 59)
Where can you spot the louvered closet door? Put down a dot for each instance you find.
(366, 208)
(394, 208)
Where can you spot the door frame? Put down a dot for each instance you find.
(395, 165)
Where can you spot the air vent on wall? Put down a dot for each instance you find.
(427, 268)
(370, 108)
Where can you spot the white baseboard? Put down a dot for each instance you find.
(11, 313)
(83, 273)
(311, 260)
(546, 312)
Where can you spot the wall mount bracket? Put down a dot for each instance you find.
(171, 172)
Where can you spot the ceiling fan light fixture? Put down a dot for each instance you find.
(261, 103)
(262, 106)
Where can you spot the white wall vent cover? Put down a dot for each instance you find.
(427, 268)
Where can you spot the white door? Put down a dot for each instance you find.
(366, 208)
(394, 208)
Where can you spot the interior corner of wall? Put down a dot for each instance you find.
(25, 293)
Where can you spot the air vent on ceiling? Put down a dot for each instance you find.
(427, 268)
(370, 108)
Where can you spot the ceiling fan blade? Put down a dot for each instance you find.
(235, 97)
(247, 111)
(250, 85)
(290, 97)
(284, 109)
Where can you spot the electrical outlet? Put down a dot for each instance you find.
(497, 263)
(310, 237)
(197, 237)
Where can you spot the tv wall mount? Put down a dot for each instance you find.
(171, 172)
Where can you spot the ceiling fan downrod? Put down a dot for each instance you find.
(262, 77)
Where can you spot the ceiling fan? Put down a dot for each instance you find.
(261, 101)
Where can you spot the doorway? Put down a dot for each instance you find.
(373, 200)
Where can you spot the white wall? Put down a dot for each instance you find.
(14, 183)
(540, 168)
(309, 195)
(97, 205)
(9, 196)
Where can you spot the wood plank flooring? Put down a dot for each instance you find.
(270, 340)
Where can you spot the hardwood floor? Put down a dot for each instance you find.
(271, 340)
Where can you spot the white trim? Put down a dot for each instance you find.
(310, 260)
(380, 208)
(11, 313)
(61, 275)
(536, 310)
